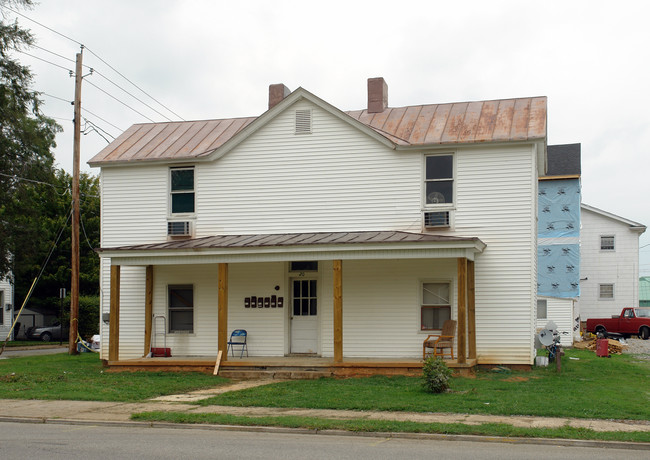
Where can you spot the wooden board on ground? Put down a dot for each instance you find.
(216, 366)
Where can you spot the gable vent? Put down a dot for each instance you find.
(438, 219)
(303, 121)
(178, 228)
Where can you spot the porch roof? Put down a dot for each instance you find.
(296, 246)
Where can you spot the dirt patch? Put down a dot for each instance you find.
(517, 378)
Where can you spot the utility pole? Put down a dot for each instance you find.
(76, 153)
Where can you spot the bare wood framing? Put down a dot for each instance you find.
(114, 316)
(462, 309)
(223, 310)
(471, 311)
(148, 309)
(338, 311)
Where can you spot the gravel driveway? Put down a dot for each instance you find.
(638, 347)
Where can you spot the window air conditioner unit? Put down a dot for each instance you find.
(178, 228)
(437, 219)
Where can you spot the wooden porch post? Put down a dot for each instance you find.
(462, 309)
(148, 309)
(338, 311)
(223, 311)
(471, 311)
(114, 318)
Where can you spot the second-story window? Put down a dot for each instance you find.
(439, 180)
(607, 243)
(182, 190)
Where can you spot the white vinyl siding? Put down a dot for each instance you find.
(496, 201)
(619, 267)
(6, 297)
(337, 179)
(560, 311)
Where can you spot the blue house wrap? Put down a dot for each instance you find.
(558, 249)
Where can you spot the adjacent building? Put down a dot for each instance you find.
(609, 256)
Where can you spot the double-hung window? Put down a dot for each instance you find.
(606, 291)
(182, 190)
(181, 308)
(607, 243)
(439, 180)
(436, 306)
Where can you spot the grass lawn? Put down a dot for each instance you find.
(590, 387)
(82, 377)
(388, 426)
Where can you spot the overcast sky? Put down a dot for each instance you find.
(210, 59)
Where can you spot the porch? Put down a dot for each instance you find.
(288, 367)
(362, 353)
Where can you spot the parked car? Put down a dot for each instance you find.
(631, 321)
(46, 333)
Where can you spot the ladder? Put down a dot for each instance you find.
(159, 329)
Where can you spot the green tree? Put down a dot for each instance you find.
(26, 142)
(53, 210)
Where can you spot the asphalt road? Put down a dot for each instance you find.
(50, 441)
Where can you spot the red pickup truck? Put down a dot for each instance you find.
(632, 321)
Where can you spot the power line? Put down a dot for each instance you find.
(45, 60)
(52, 52)
(57, 97)
(133, 96)
(42, 25)
(97, 127)
(121, 75)
(24, 179)
(97, 56)
(100, 118)
(123, 103)
(67, 189)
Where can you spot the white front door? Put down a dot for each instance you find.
(304, 316)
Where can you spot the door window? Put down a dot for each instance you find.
(304, 298)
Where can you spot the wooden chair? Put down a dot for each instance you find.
(440, 342)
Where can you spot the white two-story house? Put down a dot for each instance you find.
(609, 255)
(345, 237)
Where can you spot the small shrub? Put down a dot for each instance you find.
(436, 375)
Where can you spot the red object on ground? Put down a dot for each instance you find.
(161, 352)
(601, 348)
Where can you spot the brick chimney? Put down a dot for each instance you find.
(377, 95)
(277, 93)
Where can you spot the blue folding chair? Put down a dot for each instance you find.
(238, 339)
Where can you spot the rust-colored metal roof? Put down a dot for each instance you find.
(170, 141)
(460, 123)
(435, 124)
(294, 239)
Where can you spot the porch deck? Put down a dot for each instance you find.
(287, 367)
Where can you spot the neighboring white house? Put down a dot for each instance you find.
(342, 235)
(609, 254)
(6, 306)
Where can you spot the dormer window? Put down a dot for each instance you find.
(182, 190)
(439, 180)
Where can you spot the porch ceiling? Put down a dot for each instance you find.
(296, 246)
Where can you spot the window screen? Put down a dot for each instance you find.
(436, 306)
(181, 308)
